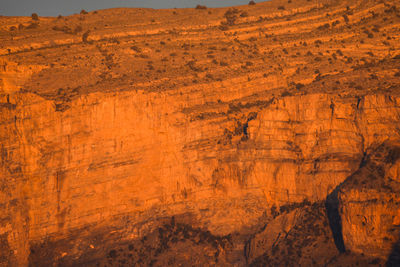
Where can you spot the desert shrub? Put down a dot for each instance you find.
(323, 27)
(192, 65)
(252, 3)
(335, 23)
(231, 16)
(136, 49)
(281, 8)
(13, 28)
(369, 34)
(346, 18)
(35, 16)
(83, 12)
(85, 36)
(375, 29)
(59, 17)
(299, 86)
(244, 14)
(201, 7)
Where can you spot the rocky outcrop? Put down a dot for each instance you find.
(370, 205)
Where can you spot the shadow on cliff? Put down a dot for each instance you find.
(394, 257)
(335, 222)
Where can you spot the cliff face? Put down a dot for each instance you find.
(369, 203)
(148, 136)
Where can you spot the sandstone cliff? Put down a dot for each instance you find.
(196, 136)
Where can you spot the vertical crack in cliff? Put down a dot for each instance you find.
(335, 223)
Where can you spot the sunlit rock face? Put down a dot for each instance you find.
(370, 204)
(258, 135)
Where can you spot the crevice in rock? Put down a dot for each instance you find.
(394, 257)
(335, 223)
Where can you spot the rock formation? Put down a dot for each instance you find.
(263, 134)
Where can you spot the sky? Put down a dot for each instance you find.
(68, 7)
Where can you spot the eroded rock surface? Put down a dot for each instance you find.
(197, 136)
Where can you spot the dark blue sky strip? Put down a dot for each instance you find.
(67, 7)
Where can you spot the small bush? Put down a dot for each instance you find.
(201, 7)
(252, 3)
(136, 49)
(244, 14)
(83, 12)
(85, 36)
(281, 8)
(231, 16)
(35, 16)
(324, 26)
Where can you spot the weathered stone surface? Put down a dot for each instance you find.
(369, 203)
(105, 136)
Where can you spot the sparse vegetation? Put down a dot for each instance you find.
(85, 37)
(201, 7)
(231, 16)
(35, 16)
